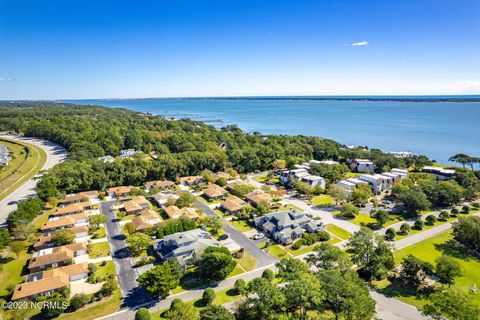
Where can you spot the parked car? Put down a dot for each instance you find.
(258, 236)
(223, 237)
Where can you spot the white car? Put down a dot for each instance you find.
(258, 236)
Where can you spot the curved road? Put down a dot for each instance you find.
(55, 154)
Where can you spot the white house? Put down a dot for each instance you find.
(314, 181)
(440, 173)
(362, 165)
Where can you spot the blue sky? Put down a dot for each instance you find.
(105, 49)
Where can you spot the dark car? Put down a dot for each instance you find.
(223, 237)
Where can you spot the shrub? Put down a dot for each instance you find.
(208, 296)
(419, 224)
(466, 209)
(390, 234)
(175, 302)
(454, 212)
(349, 211)
(405, 228)
(444, 216)
(476, 205)
(297, 244)
(268, 274)
(142, 314)
(323, 235)
(78, 301)
(108, 287)
(144, 261)
(129, 227)
(431, 219)
(240, 286)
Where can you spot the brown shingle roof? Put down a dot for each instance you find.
(63, 221)
(120, 190)
(174, 212)
(258, 197)
(145, 220)
(191, 179)
(69, 209)
(29, 289)
(159, 184)
(137, 203)
(214, 191)
(48, 259)
(233, 203)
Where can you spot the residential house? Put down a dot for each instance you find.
(190, 180)
(147, 219)
(219, 175)
(67, 210)
(402, 173)
(440, 173)
(78, 249)
(258, 197)
(214, 192)
(63, 222)
(186, 246)
(80, 231)
(162, 185)
(328, 162)
(47, 282)
(362, 165)
(314, 181)
(162, 198)
(52, 260)
(119, 192)
(173, 212)
(233, 204)
(107, 159)
(286, 226)
(136, 205)
(79, 197)
(127, 153)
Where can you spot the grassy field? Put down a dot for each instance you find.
(337, 231)
(323, 200)
(100, 233)
(240, 225)
(278, 252)
(98, 250)
(361, 218)
(429, 250)
(11, 272)
(27, 161)
(106, 270)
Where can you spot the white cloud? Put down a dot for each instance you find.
(359, 44)
(5, 79)
(199, 64)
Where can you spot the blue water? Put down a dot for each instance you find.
(436, 129)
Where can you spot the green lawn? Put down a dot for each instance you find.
(323, 200)
(307, 249)
(95, 311)
(97, 250)
(26, 161)
(240, 225)
(100, 233)
(106, 270)
(429, 250)
(278, 252)
(361, 218)
(337, 231)
(11, 272)
(244, 264)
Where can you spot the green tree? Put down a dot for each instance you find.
(444, 215)
(214, 224)
(418, 162)
(413, 201)
(240, 286)
(182, 311)
(214, 312)
(208, 296)
(405, 228)
(328, 257)
(414, 272)
(63, 236)
(143, 314)
(303, 294)
(185, 199)
(159, 281)
(346, 295)
(338, 193)
(78, 301)
(381, 216)
(289, 269)
(360, 194)
(4, 238)
(431, 219)
(447, 269)
(268, 274)
(371, 253)
(216, 266)
(390, 234)
(466, 231)
(54, 307)
(97, 219)
(138, 242)
(451, 305)
(349, 211)
(419, 224)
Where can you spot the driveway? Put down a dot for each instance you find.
(55, 154)
(132, 294)
(263, 258)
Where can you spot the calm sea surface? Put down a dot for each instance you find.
(436, 129)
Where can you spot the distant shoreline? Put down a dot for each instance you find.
(473, 98)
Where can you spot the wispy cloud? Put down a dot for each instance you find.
(359, 44)
(5, 79)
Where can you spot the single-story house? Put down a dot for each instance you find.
(80, 231)
(136, 205)
(362, 165)
(174, 212)
(79, 197)
(53, 260)
(214, 192)
(159, 185)
(257, 197)
(186, 246)
(70, 209)
(147, 219)
(162, 198)
(286, 226)
(327, 162)
(191, 180)
(63, 222)
(219, 175)
(119, 192)
(440, 173)
(78, 249)
(233, 204)
(107, 159)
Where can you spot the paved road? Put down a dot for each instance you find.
(263, 258)
(393, 309)
(55, 154)
(132, 294)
